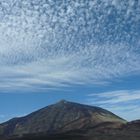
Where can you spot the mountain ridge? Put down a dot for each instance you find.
(66, 118)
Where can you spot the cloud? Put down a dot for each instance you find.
(118, 96)
(66, 70)
(45, 45)
(121, 102)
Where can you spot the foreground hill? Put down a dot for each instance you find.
(67, 120)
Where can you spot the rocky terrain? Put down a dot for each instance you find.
(72, 121)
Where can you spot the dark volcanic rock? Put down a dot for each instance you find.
(70, 121)
(61, 117)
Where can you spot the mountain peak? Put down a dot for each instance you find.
(63, 101)
(60, 117)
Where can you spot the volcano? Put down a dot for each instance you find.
(68, 120)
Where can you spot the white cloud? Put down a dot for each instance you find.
(118, 96)
(121, 102)
(45, 45)
(84, 67)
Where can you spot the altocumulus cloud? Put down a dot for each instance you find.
(50, 44)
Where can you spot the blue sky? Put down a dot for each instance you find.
(84, 51)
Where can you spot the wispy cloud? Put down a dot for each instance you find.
(44, 45)
(118, 96)
(121, 102)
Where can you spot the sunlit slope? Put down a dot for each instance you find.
(60, 117)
